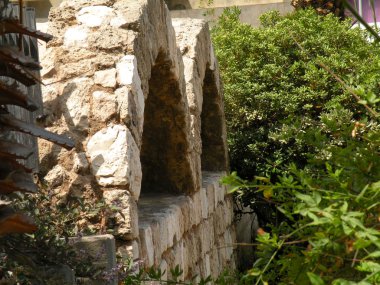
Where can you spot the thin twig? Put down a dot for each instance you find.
(270, 260)
(354, 259)
(348, 88)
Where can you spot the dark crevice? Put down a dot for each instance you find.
(214, 157)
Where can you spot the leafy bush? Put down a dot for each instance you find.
(270, 82)
(23, 258)
(318, 134)
(330, 233)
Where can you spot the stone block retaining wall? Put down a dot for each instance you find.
(140, 94)
(195, 232)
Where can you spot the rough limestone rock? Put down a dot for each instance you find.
(102, 249)
(106, 78)
(114, 158)
(75, 102)
(56, 176)
(126, 220)
(140, 94)
(106, 106)
(76, 37)
(95, 16)
(80, 162)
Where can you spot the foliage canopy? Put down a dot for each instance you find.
(272, 84)
(302, 109)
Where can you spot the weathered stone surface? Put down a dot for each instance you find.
(197, 207)
(95, 16)
(178, 256)
(80, 162)
(126, 220)
(76, 36)
(204, 203)
(157, 241)
(129, 250)
(215, 264)
(206, 268)
(177, 220)
(210, 191)
(187, 219)
(130, 107)
(207, 237)
(220, 223)
(222, 252)
(163, 222)
(193, 249)
(114, 158)
(75, 103)
(228, 242)
(102, 249)
(56, 176)
(127, 73)
(229, 207)
(219, 193)
(165, 210)
(104, 105)
(164, 269)
(147, 247)
(109, 39)
(106, 78)
(57, 275)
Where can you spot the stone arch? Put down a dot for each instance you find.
(213, 130)
(165, 143)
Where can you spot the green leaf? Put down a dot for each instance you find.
(344, 207)
(254, 272)
(369, 266)
(306, 198)
(375, 254)
(268, 192)
(361, 243)
(315, 279)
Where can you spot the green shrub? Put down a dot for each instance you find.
(319, 146)
(271, 84)
(330, 233)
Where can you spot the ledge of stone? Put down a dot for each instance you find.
(171, 225)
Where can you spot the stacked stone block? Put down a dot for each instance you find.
(182, 230)
(104, 66)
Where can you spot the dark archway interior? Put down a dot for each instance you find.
(214, 155)
(178, 4)
(164, 150)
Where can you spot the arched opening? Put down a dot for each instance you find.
(178, 4)
(213, 130)
(164, 151)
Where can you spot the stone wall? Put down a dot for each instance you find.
(140, 95)
(250, 12)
